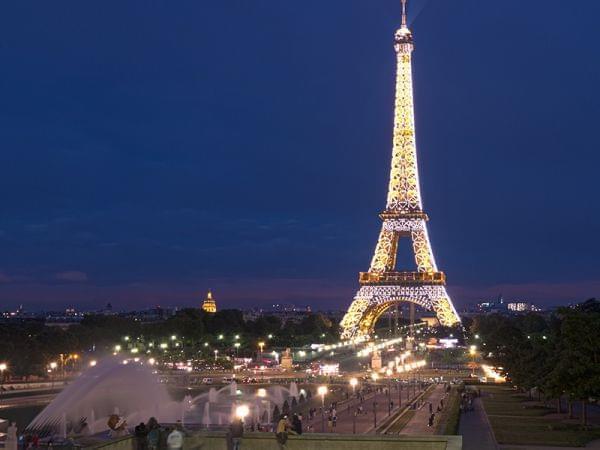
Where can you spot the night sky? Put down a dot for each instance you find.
(150, 151)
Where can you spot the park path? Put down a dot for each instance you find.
(419, 424)
(476, 429)
(347, 423)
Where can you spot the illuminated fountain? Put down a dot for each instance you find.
(132, 391)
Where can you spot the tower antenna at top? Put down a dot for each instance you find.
(404, 13)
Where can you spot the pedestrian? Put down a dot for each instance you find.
(153, 434)
(175, 438)
(431, 419)
(141, 432)
(330, 423)
(282, 431)
(430, 408)
(334, 421)
(296, 424)
(236, 431)
(391, 404)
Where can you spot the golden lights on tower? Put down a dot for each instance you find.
(209, 305)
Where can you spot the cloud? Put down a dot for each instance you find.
(72, 275)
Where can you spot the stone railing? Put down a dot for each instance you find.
(313, 441)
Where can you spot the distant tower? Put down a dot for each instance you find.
(209, 305)
(384, 285)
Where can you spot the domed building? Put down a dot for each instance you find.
(209, 305)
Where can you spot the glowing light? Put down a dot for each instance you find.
(3, 367)
(242, 411)
(117, 348)
(353, 382)
(93, 362)
(164, 345)
(151, 361)
(53, 365)
(262, 392)
(322, 391)
(491, 372)
(382, 286)
(134, 350)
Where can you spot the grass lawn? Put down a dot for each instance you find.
(539, 431)
(502, 400)
(516, 422)
(450, 416)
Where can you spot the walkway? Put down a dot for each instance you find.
(347, 423)
(476, 430)
(419, 424)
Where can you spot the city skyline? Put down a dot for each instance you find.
(253, 160)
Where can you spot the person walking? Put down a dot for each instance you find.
(282, 431)
(296, 424)
(431, 419)
(236, 431)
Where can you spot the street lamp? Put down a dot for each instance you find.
(241, 412)
(53, 366)
(322, 391)
(261, 345)
(353, 383)
(3, 367)
(473, 352)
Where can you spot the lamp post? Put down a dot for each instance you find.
(375, 413)
(241, 412)
(389, 376)
(216, 354)
(399, 393)
(3, 367)
(322, 391)
(261, 346)
(473, 352)
(353, 383)
(53, 366)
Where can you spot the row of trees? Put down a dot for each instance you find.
(558, 355)
(28, 347)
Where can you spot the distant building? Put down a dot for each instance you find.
(521, 307)
(209, 305)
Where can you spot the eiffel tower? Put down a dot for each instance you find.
(383, 286)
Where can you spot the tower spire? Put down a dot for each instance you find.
(404, 14)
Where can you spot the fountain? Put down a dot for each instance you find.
(110, 387)
(133, 392)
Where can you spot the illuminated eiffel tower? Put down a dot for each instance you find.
(383, 286)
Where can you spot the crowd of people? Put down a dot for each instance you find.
(153, 436)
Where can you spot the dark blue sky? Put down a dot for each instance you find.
(152, 150)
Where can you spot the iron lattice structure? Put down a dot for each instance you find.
(383, 285)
